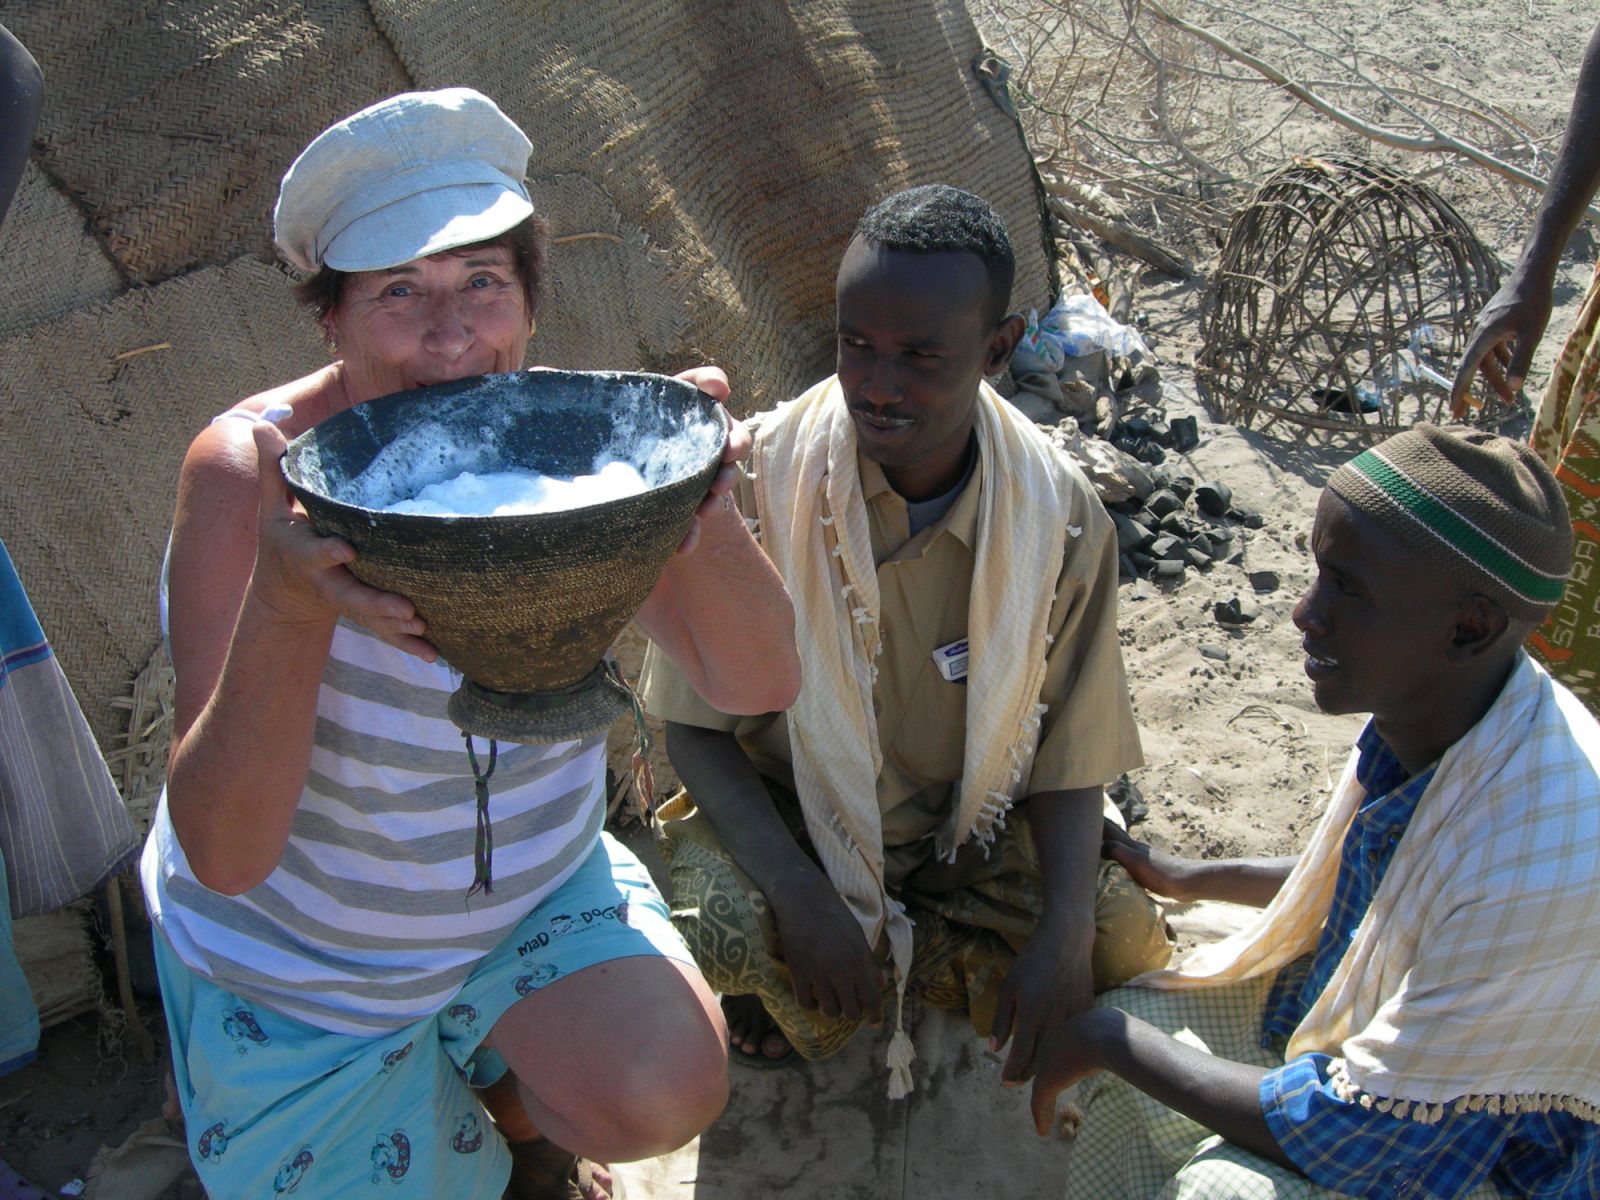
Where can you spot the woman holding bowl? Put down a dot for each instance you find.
(338, 1005)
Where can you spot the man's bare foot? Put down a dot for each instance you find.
(752, 1033)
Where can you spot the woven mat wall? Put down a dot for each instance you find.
(745, 137)
(172, 122)
(90, 447)
(702, 163)
(52, 261)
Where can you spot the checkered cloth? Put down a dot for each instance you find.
(1369, 845)
(1474, 979)
(1132, 1147)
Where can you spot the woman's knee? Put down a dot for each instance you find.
(640, 1063)
(644, 1104)
(674, 1098)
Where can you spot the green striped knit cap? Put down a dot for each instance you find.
(1481, 506)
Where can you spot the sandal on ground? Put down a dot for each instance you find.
(541, 1170)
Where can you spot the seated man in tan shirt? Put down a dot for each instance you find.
(926, 818)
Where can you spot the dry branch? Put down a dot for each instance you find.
(1436, 142)
(1123, 237)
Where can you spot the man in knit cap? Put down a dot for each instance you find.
(1416, 1010)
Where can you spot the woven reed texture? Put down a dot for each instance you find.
(139, 763)
(1341, 285)
(172, 123)
(90, 446)
(57, 958)
(611, 299)
(52, 262)
(745, 137)
(724, 150)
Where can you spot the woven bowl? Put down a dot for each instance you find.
(526, 603)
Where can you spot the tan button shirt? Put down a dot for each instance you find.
(1087, 737)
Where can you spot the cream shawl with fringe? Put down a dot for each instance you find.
(813, 525)
(1473, 982)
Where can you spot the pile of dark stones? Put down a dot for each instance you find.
(1184, 524)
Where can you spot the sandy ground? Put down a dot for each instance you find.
(1237, 757)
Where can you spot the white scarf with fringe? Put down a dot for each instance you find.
(813, 525)
(1473, 981)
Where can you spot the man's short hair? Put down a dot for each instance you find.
(938, 217)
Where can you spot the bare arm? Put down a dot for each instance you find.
(1052, 979)
(823, 946)
(1510, 327)
(1252, 881)
(720, 610)
(1223, 1096)
(254, 597)
(723, 616)
(21, 94)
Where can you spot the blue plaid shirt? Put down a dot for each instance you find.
(1359, 1151)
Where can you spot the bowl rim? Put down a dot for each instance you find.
(310, 496)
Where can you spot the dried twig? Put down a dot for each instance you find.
(1435, 142)
(1124, 237)
(1120, 94)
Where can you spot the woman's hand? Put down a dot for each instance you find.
(302, 577)
(714, 383)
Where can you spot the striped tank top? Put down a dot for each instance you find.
(365, 925)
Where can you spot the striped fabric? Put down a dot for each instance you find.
(1475, 544)
(366, 925)
(63, 827)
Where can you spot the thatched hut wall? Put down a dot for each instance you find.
(702, 164)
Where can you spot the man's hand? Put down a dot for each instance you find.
(1151, 869)
(1503, 340)
(1251, 881)
(1071, 1053)
(1223, 1096)
(832, 966)
(1050, 983)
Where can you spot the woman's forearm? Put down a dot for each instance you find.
(237, 772)
(1575, 177)
(723, 616)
